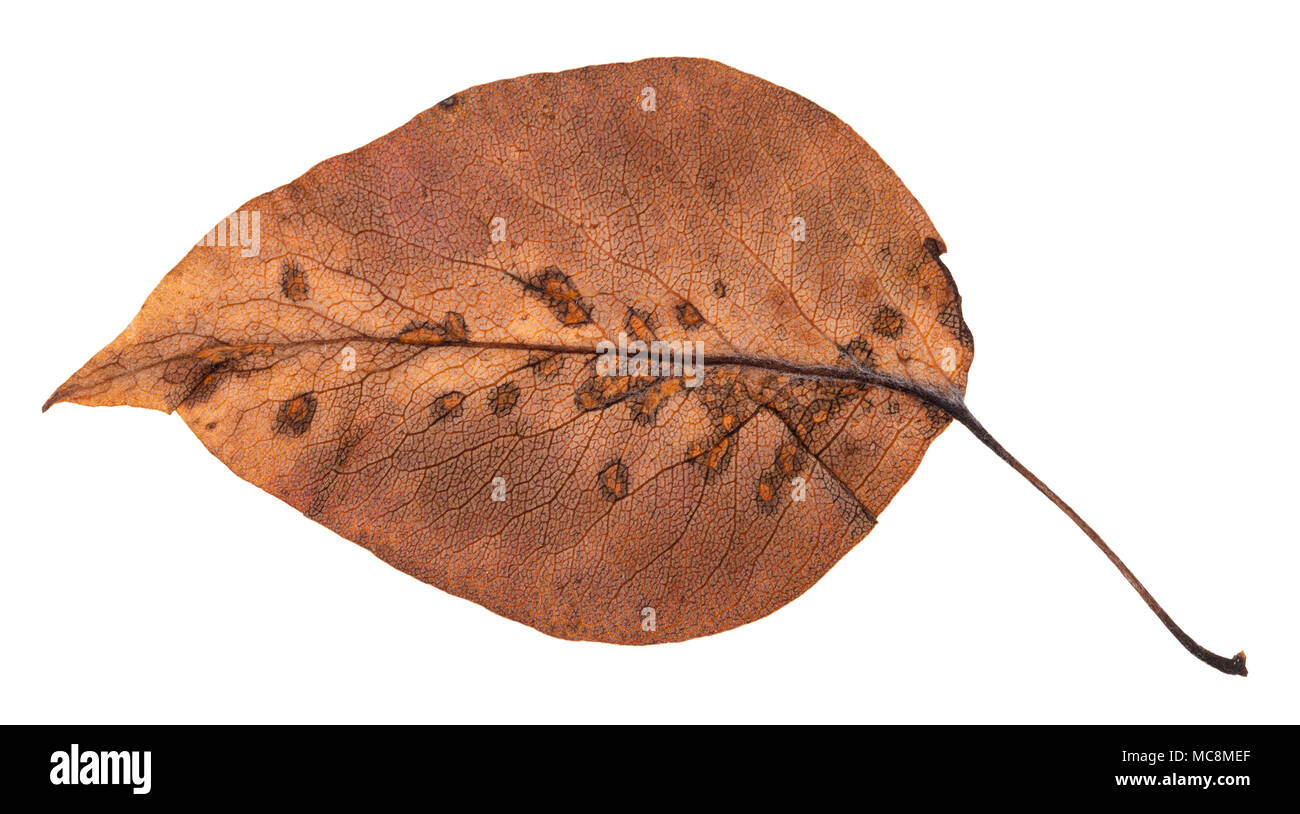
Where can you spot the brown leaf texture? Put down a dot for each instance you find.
(410, 358)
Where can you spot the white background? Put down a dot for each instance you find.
(1117, 188)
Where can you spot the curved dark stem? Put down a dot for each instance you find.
(956, 408)
(1233, 666)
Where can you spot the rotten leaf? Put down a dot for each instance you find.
(632, 353)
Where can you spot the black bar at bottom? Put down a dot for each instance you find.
(331, 764)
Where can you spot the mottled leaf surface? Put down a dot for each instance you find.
(418, 329)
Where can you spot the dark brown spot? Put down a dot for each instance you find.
(205, 387)
(639, 326)
(202, 373)
(450, 329)
(887, 322)
(599, 392)
(448, 405)
(295, 415)
(724, 402)
(766, 492)
(194, 380)
(554, 288)
(786, 464)
(420, 334)
(722, 396)
(448, 103)
(820, 411)
(646, 403)
(713, 454)
(503, 398)
(689, 317)
(805, 406)
(859, 350)
(719, 288)
(211, 425)
(788, 460)
(453, 325)
(293, 281)
(612, 481)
